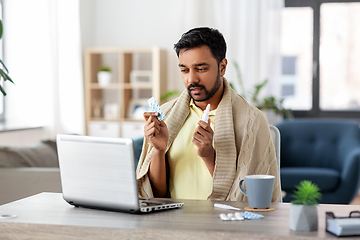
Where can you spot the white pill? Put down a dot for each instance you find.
(224, 217)
(238, 216)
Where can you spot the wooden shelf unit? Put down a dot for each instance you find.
(123, 94)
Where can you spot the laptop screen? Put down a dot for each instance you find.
(98, 171)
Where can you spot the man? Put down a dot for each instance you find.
(186, 158)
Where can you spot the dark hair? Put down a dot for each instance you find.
(198, 37)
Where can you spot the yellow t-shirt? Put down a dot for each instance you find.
(189, 177)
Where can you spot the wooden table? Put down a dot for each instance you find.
(48, 216)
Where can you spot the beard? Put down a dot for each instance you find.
(208, 94)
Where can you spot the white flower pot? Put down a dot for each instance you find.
(104, 78)
(303, 218)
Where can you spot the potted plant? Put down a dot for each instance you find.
(104, 76)
(3, 70)
(303, 210)
(271, 106)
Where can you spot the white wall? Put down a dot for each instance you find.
(248, 27)
(136, 23)
(25, 99)
(40, 53)
(111, 23)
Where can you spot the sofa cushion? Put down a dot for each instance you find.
(326, 179)
(40, 154)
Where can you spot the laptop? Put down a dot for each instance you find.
(99, 172)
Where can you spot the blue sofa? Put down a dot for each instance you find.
(327, 152)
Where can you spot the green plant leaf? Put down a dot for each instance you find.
(4, 66)
(232, 86)
(2, 90)
(306, 193)
(105, 69)
(258, 87)
(5, 76)
(240, 79)
(270, 103)
(169, 94)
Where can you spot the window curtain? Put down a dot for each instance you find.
(252, 32)
(43, 55)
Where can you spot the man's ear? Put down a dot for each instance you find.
(222, 66)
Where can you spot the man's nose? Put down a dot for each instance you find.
(192, 77)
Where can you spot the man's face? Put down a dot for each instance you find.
(200, 72)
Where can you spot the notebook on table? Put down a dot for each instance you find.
(99, 172)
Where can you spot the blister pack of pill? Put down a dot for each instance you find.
(251, 215)
(239, 216)
(156, 108)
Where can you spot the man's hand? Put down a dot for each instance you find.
(203, 138)
(156, 131)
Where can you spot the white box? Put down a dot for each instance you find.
(104, 129)
(132, 129)
(140, 76)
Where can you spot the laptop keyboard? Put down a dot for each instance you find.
(145, 203)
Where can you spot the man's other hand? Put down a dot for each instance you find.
(203, 138)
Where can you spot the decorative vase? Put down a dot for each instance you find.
(104, 78)
(303, 218)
